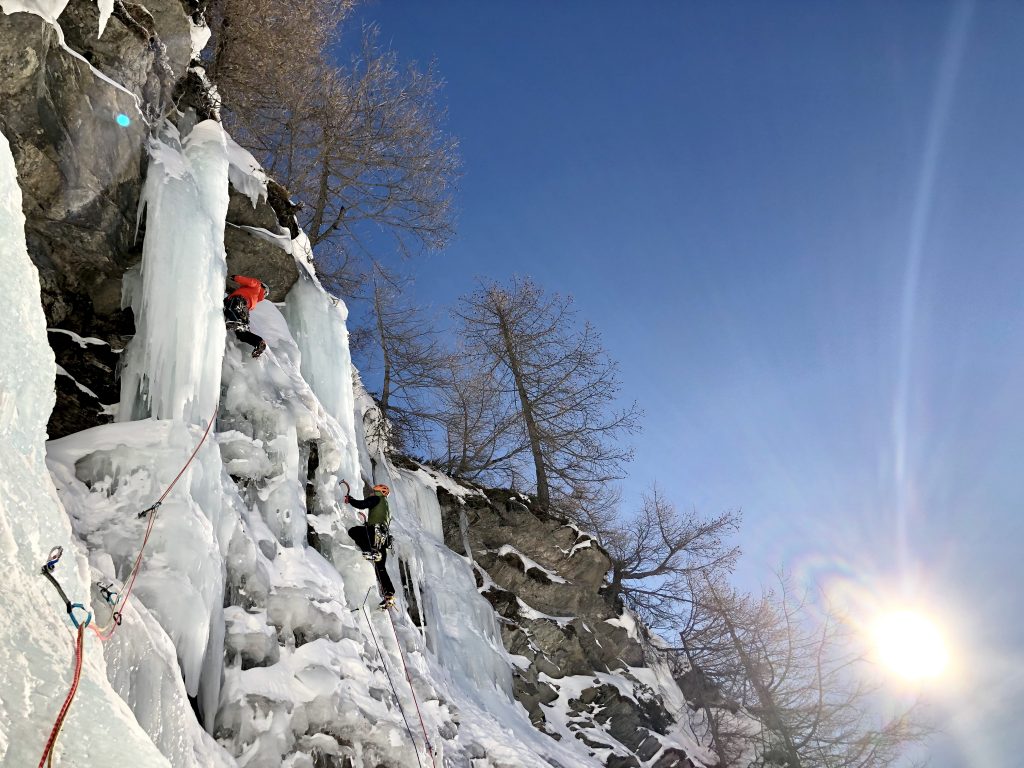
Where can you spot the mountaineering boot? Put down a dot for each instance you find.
(260, 349)
(387, 602)
(373, 556)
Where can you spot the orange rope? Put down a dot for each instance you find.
(106, 634)
(52, 741)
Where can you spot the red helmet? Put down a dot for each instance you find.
(384, 490)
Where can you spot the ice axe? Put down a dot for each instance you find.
(348, 492)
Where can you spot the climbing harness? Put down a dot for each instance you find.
(107, 632)
(47, 570)
(391, 682)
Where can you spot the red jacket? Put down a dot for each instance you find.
(251, 290)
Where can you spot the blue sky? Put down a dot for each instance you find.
(798, 227)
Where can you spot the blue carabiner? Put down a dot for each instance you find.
(109, 593)
(71, 613)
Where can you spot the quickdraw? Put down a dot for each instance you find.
(47, 570)
(158, 504)
(80, 624)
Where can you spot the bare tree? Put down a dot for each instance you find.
(481, 430)
(658, 550)
(560, 379)
(265, 56)
(361, 145)
(798, 676)
(408, 356)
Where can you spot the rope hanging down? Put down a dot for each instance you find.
(51, 742)
(401, 655)
(107, 632)
(390, 681)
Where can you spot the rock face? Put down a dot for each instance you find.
(543, 576)
(78, 128)
(263, 254)
(81, 171)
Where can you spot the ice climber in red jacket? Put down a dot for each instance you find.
(237, 307)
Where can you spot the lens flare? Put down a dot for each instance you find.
(911, 645)
(123, 120)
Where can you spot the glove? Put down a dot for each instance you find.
(346, 500)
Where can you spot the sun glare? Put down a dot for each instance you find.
(911, 645)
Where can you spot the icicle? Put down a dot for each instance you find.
(317, 322)
(173, 365)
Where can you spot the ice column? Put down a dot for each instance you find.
(317, 322)
(173, 365)
(173, 371)
(462, 631)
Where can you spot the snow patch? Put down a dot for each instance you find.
(82, 341)
(246, 175)
(81, 387)
(199, 34)
(530, 564)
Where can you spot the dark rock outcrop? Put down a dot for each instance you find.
(78, 127)
(543, 577)
(78, 144)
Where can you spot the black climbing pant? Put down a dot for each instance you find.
(363, 536)
(244, 334)
(236, 312)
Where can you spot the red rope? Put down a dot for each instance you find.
(408, 677)
(104, 634)
(52, 741)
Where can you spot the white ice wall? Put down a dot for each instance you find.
(36, 638)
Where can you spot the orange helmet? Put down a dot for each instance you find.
(383, 489)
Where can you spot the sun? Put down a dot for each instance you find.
(911, 645)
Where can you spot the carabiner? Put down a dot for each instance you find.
(71, 613)
(108, 592)
(147, 510)
(53, 558)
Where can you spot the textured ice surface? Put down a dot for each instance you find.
(317, 323)
(36, 639)
(112, 472)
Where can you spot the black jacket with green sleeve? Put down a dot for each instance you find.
(376, 506)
